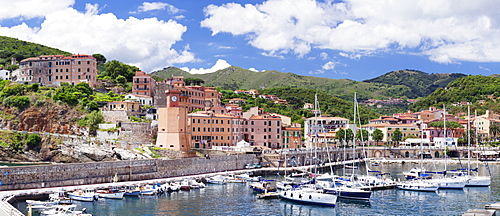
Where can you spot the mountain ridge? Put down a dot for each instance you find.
(377, 88)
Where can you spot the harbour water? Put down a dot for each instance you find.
(239, 199)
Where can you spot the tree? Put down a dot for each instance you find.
(120, 80)
(91, 121)
(349, 135)
(33, 140)
(12, 67)
(362, 135)
(193, 81)
(340, 135)
(100, 58)
(115, 68)
(397, 136)
(494, 130)
(378, 135)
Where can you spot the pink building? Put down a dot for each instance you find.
(52, 70)
(263, 131)
(143, 84)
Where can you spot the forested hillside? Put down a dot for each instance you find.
(481, 91)
(296, 98)
(14, 48)
(420, 84)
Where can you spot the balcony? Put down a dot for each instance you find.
(142, 89)
(141, 82)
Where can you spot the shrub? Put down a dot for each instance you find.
(33, 140)
(21, 102)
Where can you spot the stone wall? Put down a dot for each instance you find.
(27, 177)
(115, 116)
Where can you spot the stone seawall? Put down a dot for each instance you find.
(28, 177)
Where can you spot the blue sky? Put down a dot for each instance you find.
(352, 39)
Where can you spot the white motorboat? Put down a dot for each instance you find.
(417, 173)
(418, 185)
(110, 194)
(59, 197)
(174, 186)
(218, 179)
(83, 195)
(264, 186)
(64, 210)
(247, 177)
(149, 190)
(309, 195)
(132, 191)
(231, 178)
(193, 184)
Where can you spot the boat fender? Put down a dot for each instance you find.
(284, 194)
(310, 197)
(300, 196)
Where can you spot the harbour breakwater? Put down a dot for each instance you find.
(43, 176)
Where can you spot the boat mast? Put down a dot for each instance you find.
(445, 141)
(468, 140)
(354, 135)
(316, 108)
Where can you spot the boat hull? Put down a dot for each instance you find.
(117, 195)
(313, 198)
(132, 193)
(82, 197)
(418, 187)
(357, 195)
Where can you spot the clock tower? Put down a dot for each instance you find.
(172, 122)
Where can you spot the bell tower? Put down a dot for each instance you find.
(172, 122)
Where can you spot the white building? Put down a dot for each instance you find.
(142, 99)
(442, 142)
(316, 125)
(5, 74)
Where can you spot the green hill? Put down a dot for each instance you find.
(420, 84)
(328, 104)
(483, 92)
(405, 84)
(14, 48)
(239, 78)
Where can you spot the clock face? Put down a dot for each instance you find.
(174, 98)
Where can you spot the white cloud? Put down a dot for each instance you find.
(255, 70)
(352, 55)
(27, 9)
(146, 43)
(329, 65)
(149, 6)
(323, 55)
(316, 72)
(446, 30)
(484, 68)
(219, 65)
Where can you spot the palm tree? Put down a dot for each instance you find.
(494, 130)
